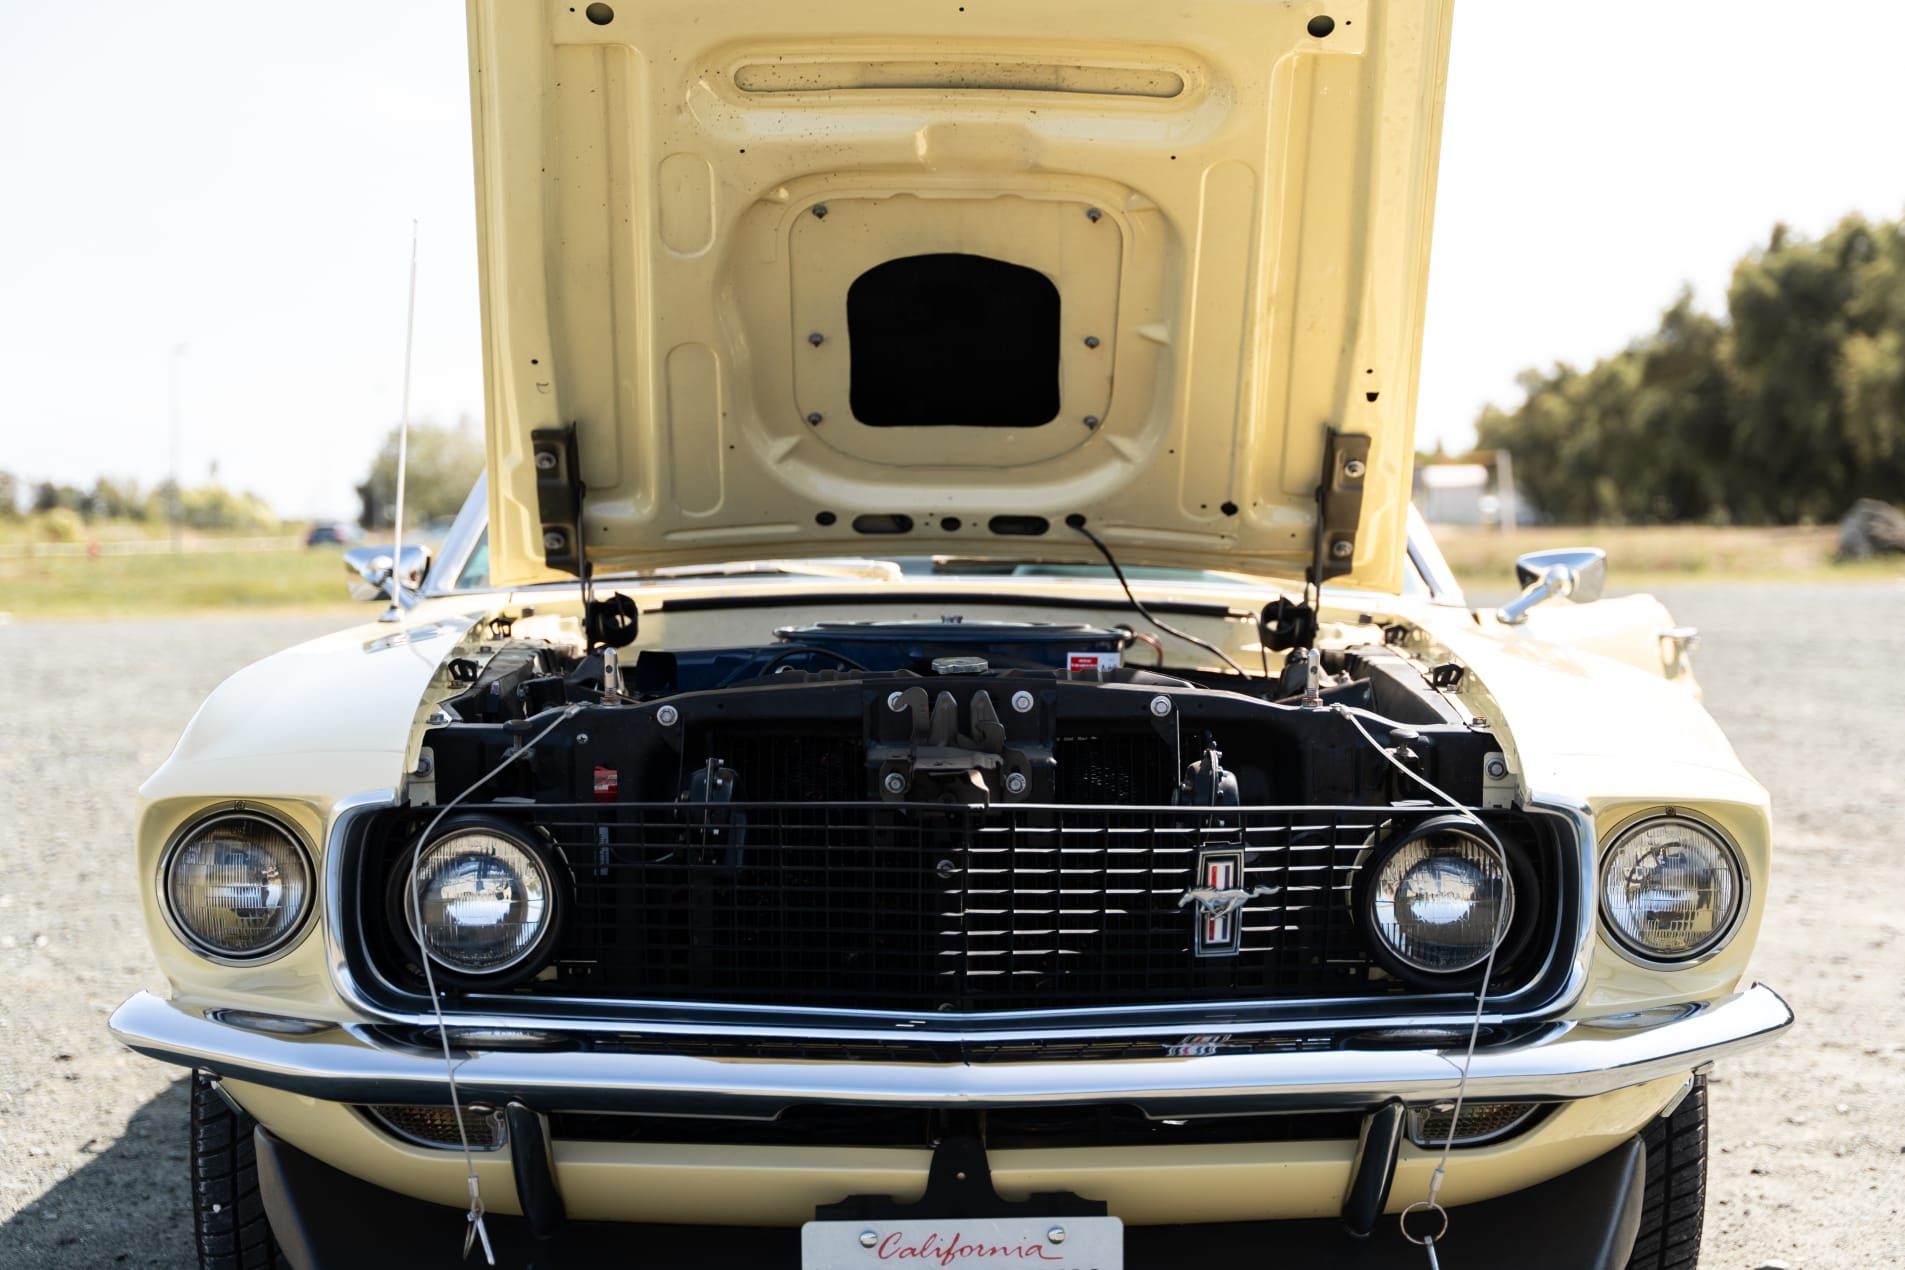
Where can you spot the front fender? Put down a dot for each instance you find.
(324, 718)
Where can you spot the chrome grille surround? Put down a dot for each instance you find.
(1241, 1000)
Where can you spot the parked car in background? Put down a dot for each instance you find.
(327, 533)
(940, 738)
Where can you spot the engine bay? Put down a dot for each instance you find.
(948, 711)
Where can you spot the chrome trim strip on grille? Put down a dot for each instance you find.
(343, 813)
(1580, 818)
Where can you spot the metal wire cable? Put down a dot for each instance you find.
(1146, 613)
(1481, 991)
(476, 1228)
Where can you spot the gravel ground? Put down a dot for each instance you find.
(1809, 1165)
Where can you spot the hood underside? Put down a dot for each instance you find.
(920, 278)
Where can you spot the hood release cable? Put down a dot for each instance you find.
(476, 1229)
(1432, 1204)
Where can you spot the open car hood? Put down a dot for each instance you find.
(873, 278)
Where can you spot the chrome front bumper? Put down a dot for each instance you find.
(354, 1064)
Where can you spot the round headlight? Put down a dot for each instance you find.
(1672, 889)
(484, 900)
(237, 887)
(1441, 899)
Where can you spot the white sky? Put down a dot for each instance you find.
(240, 179)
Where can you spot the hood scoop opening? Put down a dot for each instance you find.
(950, 339)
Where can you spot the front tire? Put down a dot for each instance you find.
(1673, 1207)
(228, 1213)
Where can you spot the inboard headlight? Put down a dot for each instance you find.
(237, 887)
(1441, 899)
(1672, 889)
(482, 899)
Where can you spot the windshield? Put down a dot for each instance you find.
(474, 575)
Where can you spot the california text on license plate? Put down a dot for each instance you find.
(970, 1243)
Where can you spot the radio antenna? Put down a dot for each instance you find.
(398, 604)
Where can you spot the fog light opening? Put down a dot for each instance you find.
(436, 1127)
(1480, 1122)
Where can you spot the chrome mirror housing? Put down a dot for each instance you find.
(1579, 573)
(372, 569)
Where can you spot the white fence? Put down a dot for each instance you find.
(149, 547)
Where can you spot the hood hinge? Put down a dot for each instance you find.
(1339, 505)
(559, 493)
(610, 622)
(1287, 624)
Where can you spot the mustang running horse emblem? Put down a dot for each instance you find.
(1215, 905)
(1220, 899)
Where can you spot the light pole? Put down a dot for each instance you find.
(177, 509)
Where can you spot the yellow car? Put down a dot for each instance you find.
(940, 740)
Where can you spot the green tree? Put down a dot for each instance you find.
(47, 496)
(58, 524)
(215, 507)
(159, 503)
(116, 501)
(1789, 408)
(443, 464)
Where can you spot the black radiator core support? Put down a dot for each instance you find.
(1037, 736)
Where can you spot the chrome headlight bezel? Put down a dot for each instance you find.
(1632, 949)
(535, 955)
(193, 829)
(1521, 894)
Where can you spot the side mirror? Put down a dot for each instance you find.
(372, 569)
(1579, 573)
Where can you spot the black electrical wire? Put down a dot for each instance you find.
(1078, 523)
(781, 655)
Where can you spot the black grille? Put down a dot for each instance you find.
(955, 908)
(1135, 769)
(775, 766)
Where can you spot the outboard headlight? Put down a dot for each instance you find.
(482, 898)
(1439, 899)
(1672, 890)
(236, 887)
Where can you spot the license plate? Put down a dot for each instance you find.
(970, 1243)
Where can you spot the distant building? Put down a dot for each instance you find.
(1456, 494)
(1474, 490)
